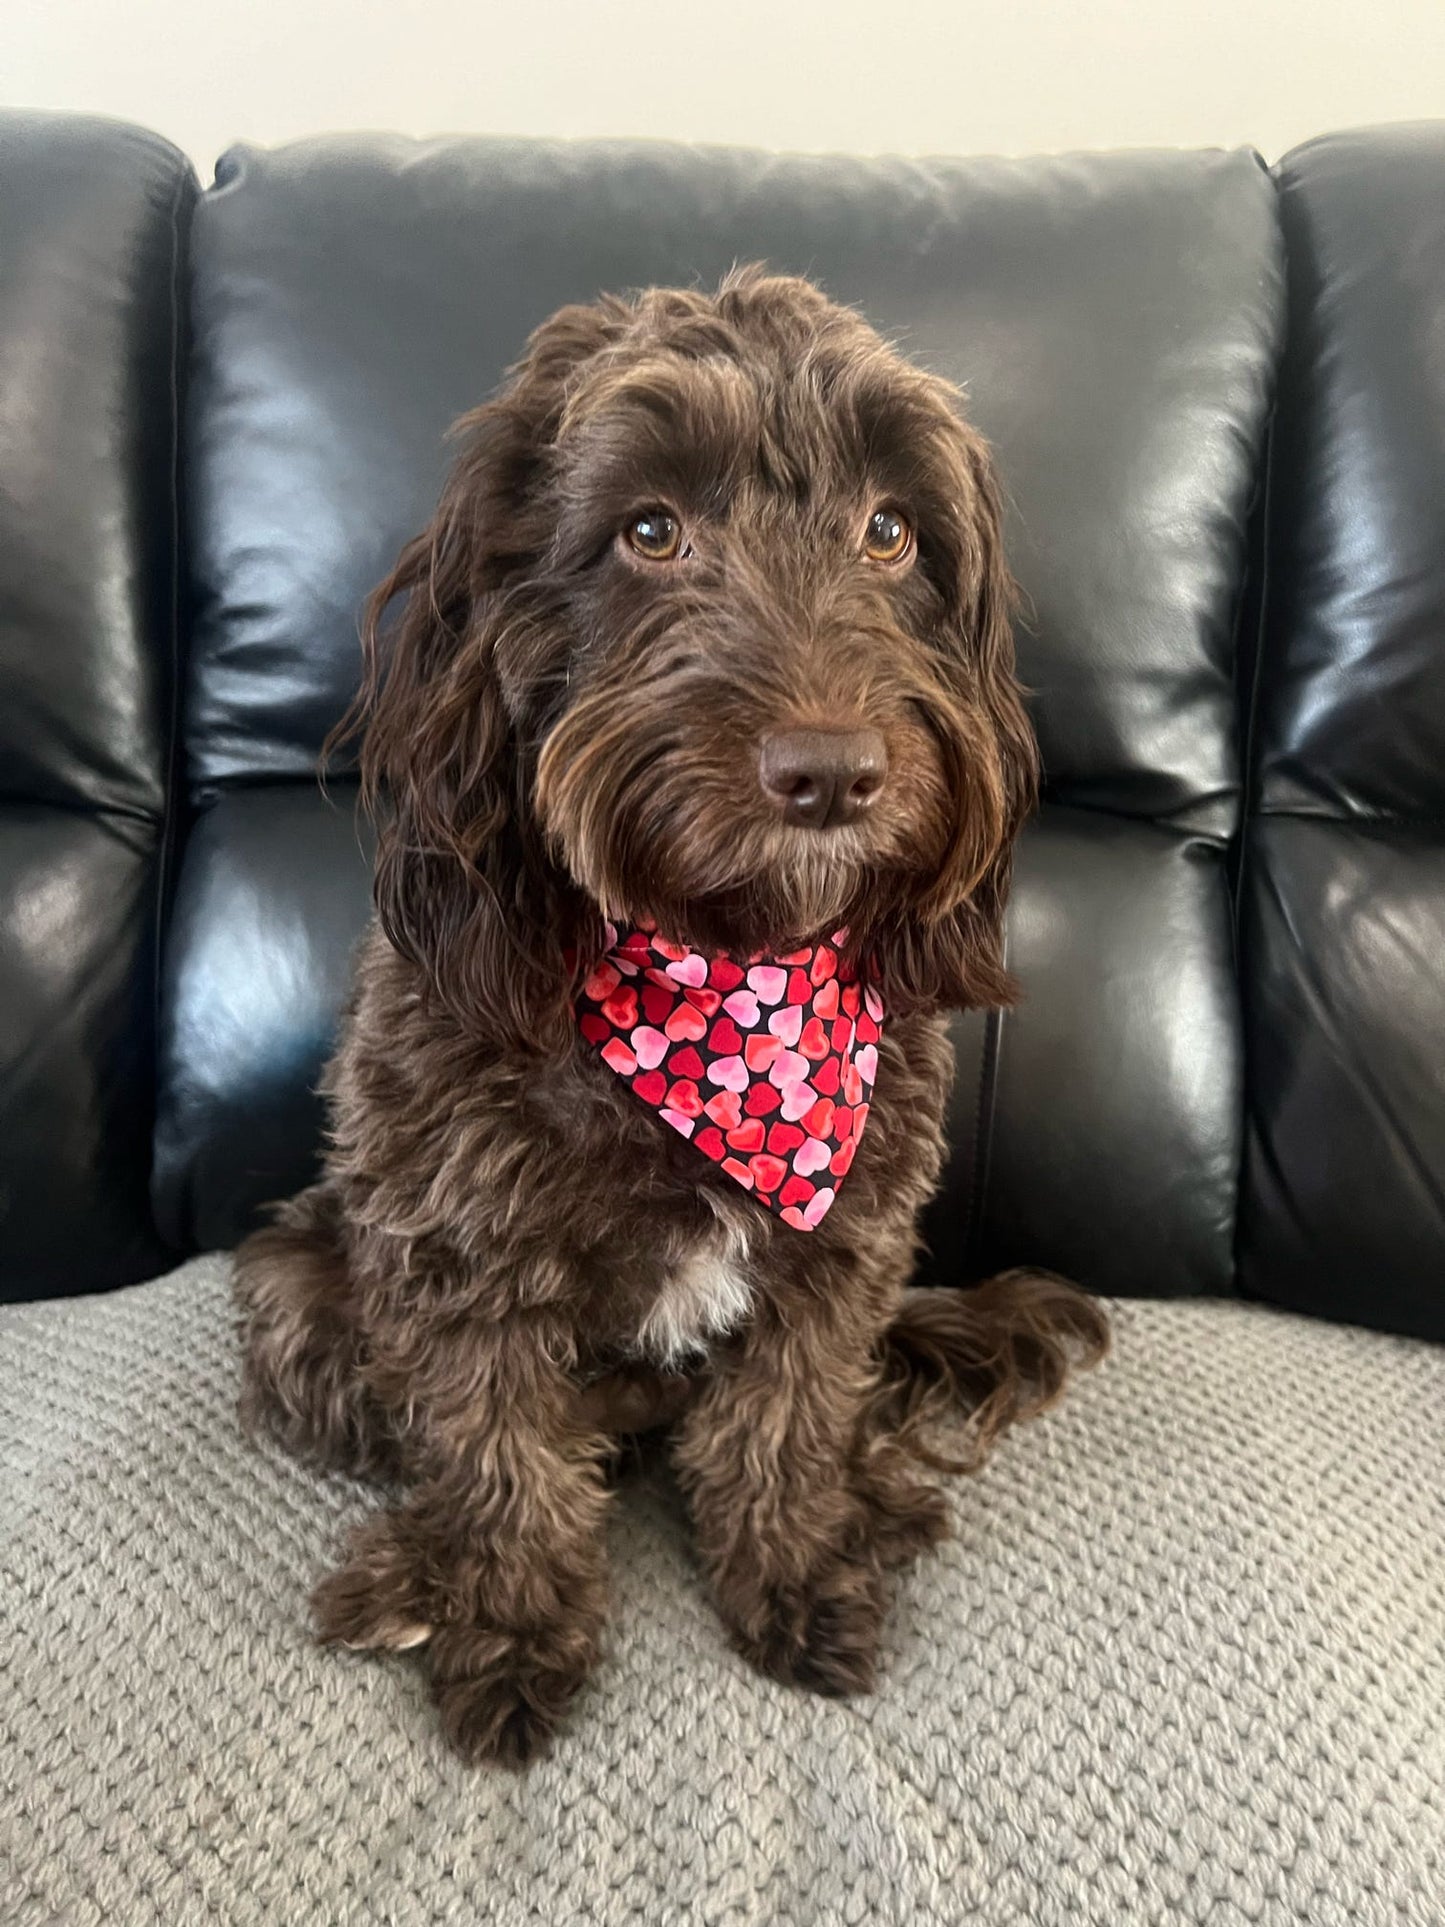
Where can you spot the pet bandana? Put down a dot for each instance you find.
(765, 1065)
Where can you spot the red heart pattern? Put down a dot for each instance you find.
(766, 1065)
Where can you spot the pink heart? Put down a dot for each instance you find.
(743, 1006)
(678, 1120)
(811, 1155)
(790, 1214)
(787, 1023)
(874, 1004)
(768, 981)
(798, 1100)
(816, 1209)
(650, 1045)
(866, 1063)
(787, 1068)
(730, 1072)
(691, 970)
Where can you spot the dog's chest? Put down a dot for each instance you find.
(703, 1296)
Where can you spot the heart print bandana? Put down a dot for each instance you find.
(765, 1065)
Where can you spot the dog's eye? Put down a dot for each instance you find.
(656, 534)
(887, 538)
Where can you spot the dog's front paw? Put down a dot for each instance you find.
(500, 1686)
(822, 1634)
(376, 1602)
(500, 1696)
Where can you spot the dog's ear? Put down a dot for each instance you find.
(948, 950)
(463, 884)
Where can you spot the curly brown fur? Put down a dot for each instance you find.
(509, 1259)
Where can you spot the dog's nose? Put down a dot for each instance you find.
(824, 777)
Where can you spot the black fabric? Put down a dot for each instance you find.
(1344, 883)
(93, 218)
(1116, 321)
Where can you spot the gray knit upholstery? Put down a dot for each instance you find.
(1184, 1663)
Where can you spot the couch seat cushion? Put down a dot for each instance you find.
(1183, 1663)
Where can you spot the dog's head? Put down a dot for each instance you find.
(712, 626)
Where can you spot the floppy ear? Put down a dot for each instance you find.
(949, 951)
(463, 884)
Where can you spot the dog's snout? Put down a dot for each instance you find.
(823, 777)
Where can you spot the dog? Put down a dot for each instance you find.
(693, 734)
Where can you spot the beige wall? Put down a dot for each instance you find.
(1014, 76)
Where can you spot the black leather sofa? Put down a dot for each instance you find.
(1217, 393)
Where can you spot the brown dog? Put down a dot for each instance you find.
(710, 636)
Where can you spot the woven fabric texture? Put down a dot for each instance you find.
(1184, 1663)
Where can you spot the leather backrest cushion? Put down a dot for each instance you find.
(1344, 898)
(1115, 320)
(93, 218)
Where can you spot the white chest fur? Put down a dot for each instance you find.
(705, 1295)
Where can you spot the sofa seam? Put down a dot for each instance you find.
(169, 841)
(1249, 804)
(1356, 819)
(983, 1129)
(1250, 814)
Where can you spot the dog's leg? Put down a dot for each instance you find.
(496, 1561)
(302, 1377)
(787, 1528)
(907, 1512)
